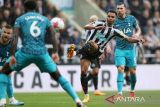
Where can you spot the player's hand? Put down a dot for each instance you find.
(70, 52)
(108, 49)
(135, 35)
(144, 61)
(55, 57)
(102, 57)
(99, 27)
(142, 40)
(12, 61)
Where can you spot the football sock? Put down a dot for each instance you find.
(10, 88)
(120, 80)
(133, 81)
(3, 90)
(90, 76)
(95, 81)
(127, 78)
(84, 83)
(68, 88)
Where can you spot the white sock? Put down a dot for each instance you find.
(120, 93)
(78, 100)
(12, 99)
(3, 101)
(87, 95)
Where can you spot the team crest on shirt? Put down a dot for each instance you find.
(127, 30)
(3, 59)
(129, 24)
(7, 54)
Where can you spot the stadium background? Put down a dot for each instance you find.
(76, 14)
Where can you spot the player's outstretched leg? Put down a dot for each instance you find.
(84, 79)
(120, 79)
(12, 100)
(84, 83)
(67, 87)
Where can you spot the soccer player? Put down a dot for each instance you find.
(125, 55)
(95, 45)
(5, 80)
(32, 28)
(94, 64)
(94, 74)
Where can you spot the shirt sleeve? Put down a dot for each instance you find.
(135, 23)
(119, 33)
(98, 23)
(17, 23)
(84, 34)
(48, 23)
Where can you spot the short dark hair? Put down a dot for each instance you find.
(121, 3)
(8, 26)
(112, 11)
(30, 5)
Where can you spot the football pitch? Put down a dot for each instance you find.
(152, 99)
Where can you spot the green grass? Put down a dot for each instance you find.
(152, 99)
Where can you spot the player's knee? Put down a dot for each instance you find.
(84, 70)
(95, 72)
(83, 75)
(6, 69)
(126, 69)
(121, 69)
(132, 70)
(55, 75)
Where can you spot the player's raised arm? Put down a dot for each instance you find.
(53, 39)
(55, 55)
(125, 37)
(95, 25)
(16, 33)
(89, 26)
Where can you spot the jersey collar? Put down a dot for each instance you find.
(122, 18)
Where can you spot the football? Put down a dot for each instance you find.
(57, 23)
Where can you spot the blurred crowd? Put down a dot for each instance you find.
(147, 13)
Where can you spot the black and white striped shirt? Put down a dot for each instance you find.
(103, 36)
(91, 34)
